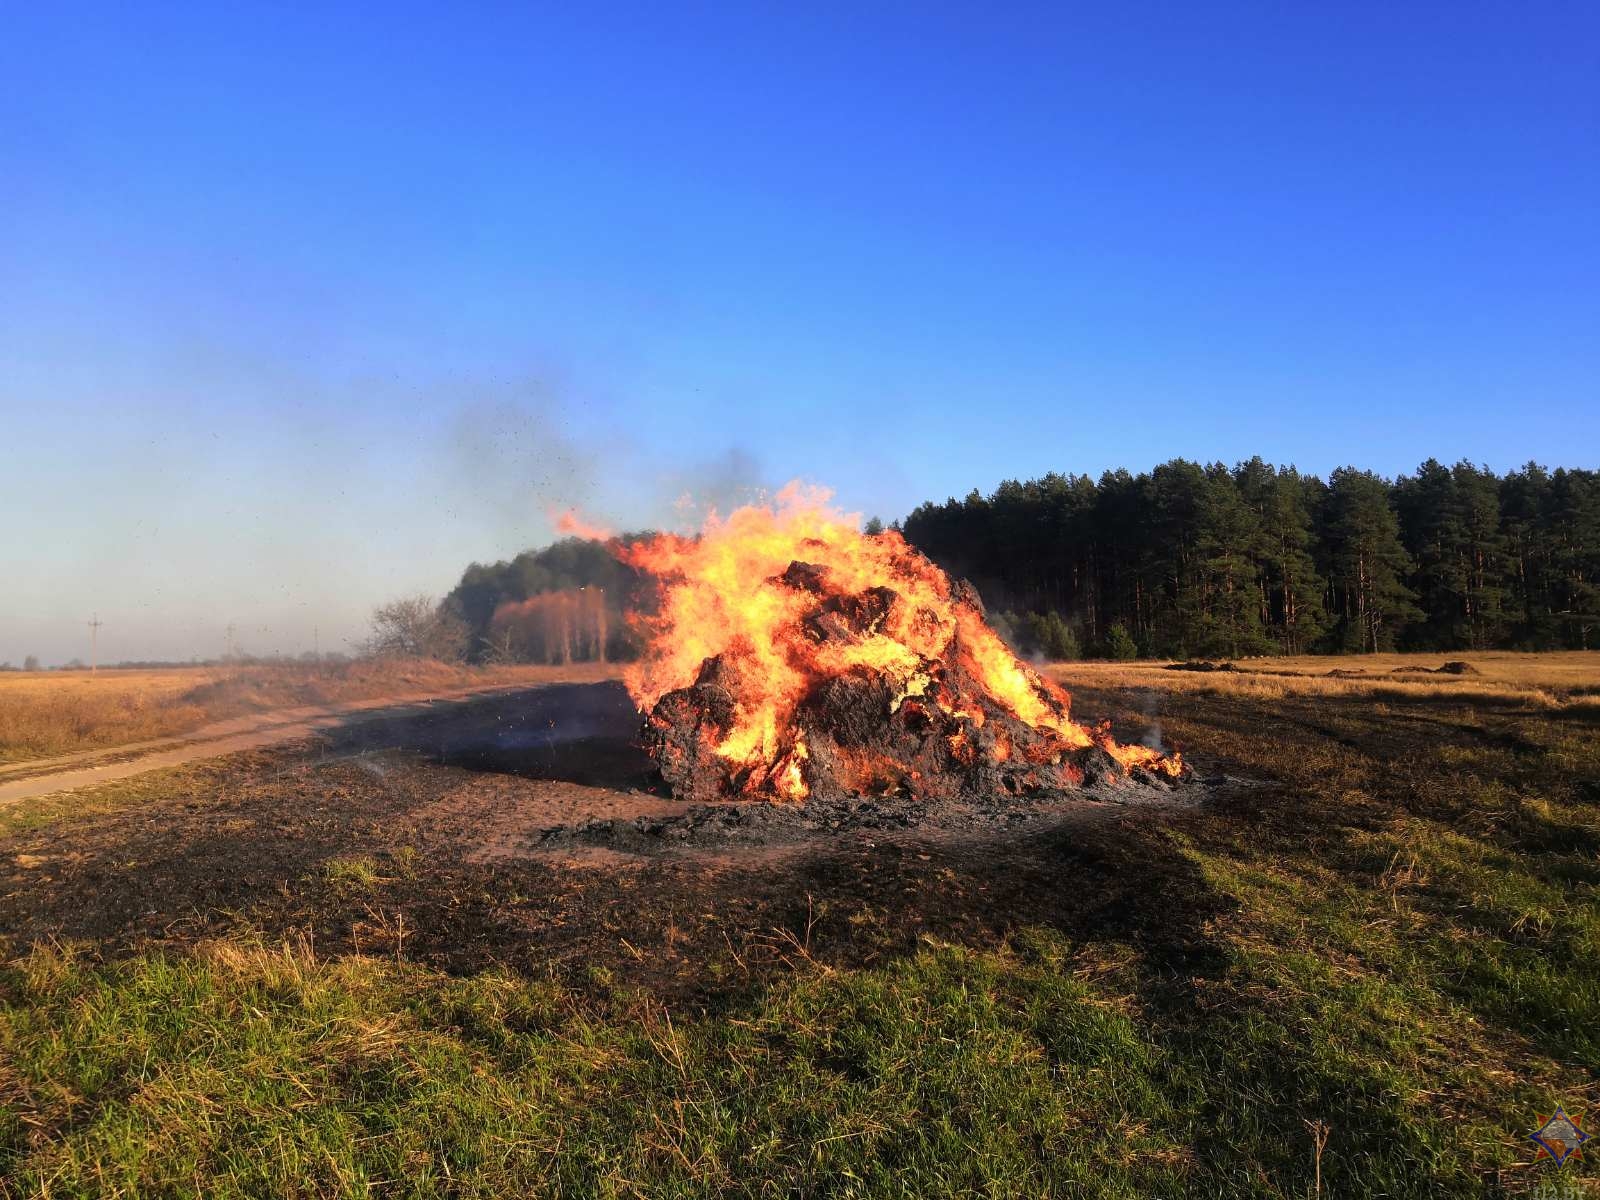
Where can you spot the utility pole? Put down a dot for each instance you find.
(94, 643)
(232, 653)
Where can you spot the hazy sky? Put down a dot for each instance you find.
(306, 306)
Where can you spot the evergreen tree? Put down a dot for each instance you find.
(1177, 624)
(1291, 606)
(1368, 562)
(1524, 505)
(1573, 519)
(1122, 530)
(1483, 556)
(1434, 536)
(1120, 644)
(1048, 636)
(1230, 547)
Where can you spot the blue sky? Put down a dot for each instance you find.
(300, 309)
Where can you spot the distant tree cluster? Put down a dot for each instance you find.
(564, 626)
(563, 603)
(1192, 560)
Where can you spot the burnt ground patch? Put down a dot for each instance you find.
(526, 830)
(581, 733)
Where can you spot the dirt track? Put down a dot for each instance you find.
(48, 776)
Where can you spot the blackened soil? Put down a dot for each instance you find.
(580, 733)
(527, 830)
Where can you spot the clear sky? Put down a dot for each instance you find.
(304, 306)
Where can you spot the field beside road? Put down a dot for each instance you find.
(480, 956)
(1555, 680)
(45, 713)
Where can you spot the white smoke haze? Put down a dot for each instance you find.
(279, 535)
(1150, 706)
(182, 516)
(720, 484)
(519, 463)
(514, 460)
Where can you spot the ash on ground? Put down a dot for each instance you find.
(571, 783)
(732, 825)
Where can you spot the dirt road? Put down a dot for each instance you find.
(48, 776)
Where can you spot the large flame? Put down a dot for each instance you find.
(723, 595)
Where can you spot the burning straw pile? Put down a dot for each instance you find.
(792, 656)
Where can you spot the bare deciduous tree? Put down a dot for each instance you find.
(417, 627)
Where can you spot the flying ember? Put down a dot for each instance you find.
(791, 655)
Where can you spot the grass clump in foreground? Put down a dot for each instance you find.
(357, 873)
(246, 1069)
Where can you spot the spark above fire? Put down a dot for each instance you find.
(791, 655)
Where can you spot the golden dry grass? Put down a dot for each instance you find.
(57, 712)
(45, 713)
(1551, 680)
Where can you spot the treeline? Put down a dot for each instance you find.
(1185, 560)
(563, 603)
(1192, 560)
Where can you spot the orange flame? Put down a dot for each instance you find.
(569, 522)
(721, 596)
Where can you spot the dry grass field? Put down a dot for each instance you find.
(58, 712)
(1555, 680)
(44, 713)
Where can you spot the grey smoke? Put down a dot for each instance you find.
(515, 461)
(1150, 707)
